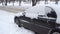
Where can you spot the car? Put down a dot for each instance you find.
(40, 19)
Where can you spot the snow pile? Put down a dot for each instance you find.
(7, 25)
(35, 11)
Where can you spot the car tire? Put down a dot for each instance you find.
(17, 21)
(55, 31)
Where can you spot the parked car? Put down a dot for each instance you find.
(40, 19)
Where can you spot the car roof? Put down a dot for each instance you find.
(36, 9)
(56, 8)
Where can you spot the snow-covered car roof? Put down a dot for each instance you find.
(40, 9)
(35, 11)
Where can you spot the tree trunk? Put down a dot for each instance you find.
(9, 2)
(13, 3)
(5, 2)
(46, 1)
(56, 2)
(19, 2)
(34, 2)
(2, 3)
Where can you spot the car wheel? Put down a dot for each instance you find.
(55, 31)
(17, 21)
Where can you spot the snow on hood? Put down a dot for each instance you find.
(57, 10)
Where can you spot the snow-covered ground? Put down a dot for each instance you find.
(7, 25)
(16, 8)
(16, 5)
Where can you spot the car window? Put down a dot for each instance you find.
(50, 12)
(48, 9)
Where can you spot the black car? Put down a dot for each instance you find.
(41, 21)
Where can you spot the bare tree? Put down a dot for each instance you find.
(5, 2)
(2, 1)
(56, 1)
(13, 2)
(34, 2)
(20, 2)
(9, 1)
(46, 1)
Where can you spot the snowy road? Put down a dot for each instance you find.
(7, 25)
(12, 9)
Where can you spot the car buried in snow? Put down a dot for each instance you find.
(40, 19)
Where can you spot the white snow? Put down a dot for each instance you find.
(35, 11)
(40, 10)
(7, 25)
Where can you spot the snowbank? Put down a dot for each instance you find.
(7, 25)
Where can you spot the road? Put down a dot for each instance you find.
(12, 9)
